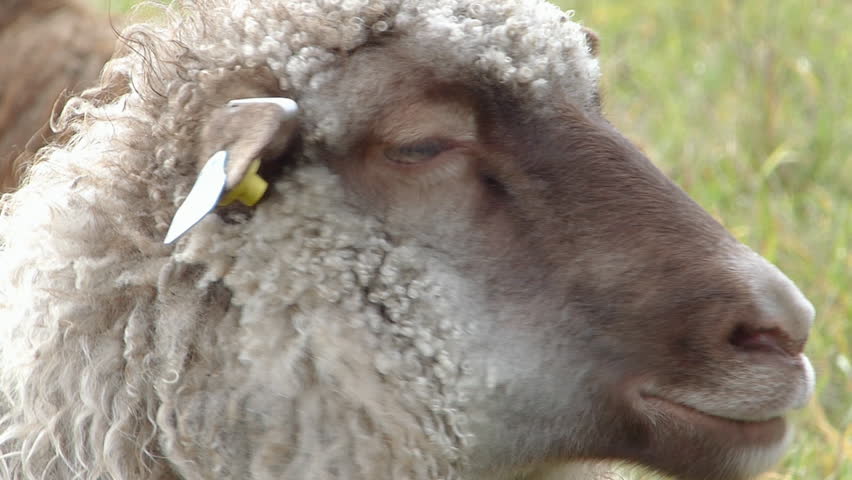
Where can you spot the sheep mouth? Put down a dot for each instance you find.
(768, 432)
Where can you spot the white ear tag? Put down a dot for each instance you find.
(289, 108)
(203, 197)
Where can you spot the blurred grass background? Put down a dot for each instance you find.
(748, 106)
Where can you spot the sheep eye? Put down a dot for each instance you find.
(416, 152)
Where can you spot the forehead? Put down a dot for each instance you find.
(389, 84)
(526, 49)
(528, 46)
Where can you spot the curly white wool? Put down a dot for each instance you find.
(232, 355)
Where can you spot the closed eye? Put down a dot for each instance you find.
(418, 151)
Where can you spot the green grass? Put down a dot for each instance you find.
(115, 5)
(748, 106)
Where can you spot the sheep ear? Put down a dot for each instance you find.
(236, 139)
(252, 130)
(593, 41)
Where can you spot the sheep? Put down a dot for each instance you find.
(49, 46)
(447, 265)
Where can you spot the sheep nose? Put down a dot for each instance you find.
(783, 316)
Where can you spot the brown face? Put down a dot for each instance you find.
(622, 321)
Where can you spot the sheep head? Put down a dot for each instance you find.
(461, 269)
(618, 311)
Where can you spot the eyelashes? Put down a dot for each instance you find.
(417, 152)
(422, 151)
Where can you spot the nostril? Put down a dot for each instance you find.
(763, 340)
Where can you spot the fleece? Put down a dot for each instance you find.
(294, 340)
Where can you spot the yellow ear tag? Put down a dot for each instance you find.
(250, 189)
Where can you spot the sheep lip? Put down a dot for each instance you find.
(741, 432)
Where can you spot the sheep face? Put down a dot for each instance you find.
(460, 269)
(619, 319)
